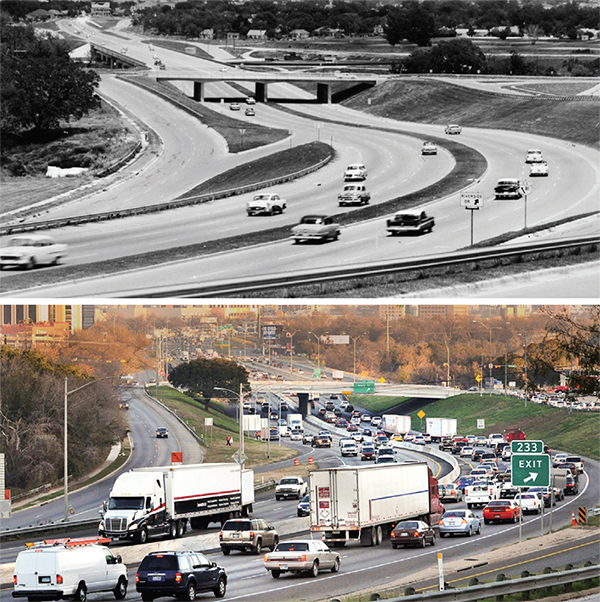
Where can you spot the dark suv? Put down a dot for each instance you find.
(182, 574)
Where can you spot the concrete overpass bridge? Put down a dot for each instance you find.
(262, 80)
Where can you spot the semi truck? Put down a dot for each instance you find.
(361, 503)
(395, 424)
(159, 501)
(439, 428)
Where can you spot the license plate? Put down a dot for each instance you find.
(44, 579)
(283, 567)
(496, 516)
(236, 535)
(157, 578)
(403, 534)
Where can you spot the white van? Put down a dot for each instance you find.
(59, 569)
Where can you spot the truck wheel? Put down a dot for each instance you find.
(336, 566)
(221, 588)
(275, 542)
(121, 590)
(190, 592)
(225, 551)
(172, 530)
(314, 569)
(277, 497)
(258, 547)
(378, 535)
(395, 546)
(142, 536)
(469, 506)
(81, 593)
(275, 574)
(147, 598)
(180, 528)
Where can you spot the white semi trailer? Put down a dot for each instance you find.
(148, 502)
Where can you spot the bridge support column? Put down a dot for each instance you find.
(260, 92)
(324, 93)
(199, 91)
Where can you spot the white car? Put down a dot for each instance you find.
(429, 148)
(453, 129)
(355, 171)
(529, 502)
(538, 169)
(296, 436)
(308, 556)
(29, 250)
(265, 204)
(376, 420)
(534, 155)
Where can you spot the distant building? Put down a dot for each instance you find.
(299, 34)
(207, 34)
(39, 15)
(257, 34)
(101, 9)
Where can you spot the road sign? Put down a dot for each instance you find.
(530, 469)
(481, 423)
(471, 200)
(527, 447)
(421, 414)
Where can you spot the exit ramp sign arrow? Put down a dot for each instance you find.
(530, 469)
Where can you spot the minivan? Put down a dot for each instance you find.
(69, 568)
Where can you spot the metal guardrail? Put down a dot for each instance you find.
(147, 209)
(321, 277)
(504, 588)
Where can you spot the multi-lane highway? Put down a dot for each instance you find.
(191, 153)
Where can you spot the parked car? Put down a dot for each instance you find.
(316, 227)
(182, 574)
(304, 506)
(501, 510)
(462, 522)
(30, 250)
(247, 535)
(413, 532)
(450, 493)
(162, 432)
(298, 556)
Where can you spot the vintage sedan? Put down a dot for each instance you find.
(29, 250)
(298, 556)
(412, 532)
(265, 204)
(462, 522)
(316, 227)
(501, 510)
(429, 148)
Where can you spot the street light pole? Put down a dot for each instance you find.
(319, 348)
(491, 363)
(354, 339)
(291, 336)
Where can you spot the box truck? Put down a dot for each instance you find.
(439, 428)
(148, 502)
(337, 374)
(394, 424)
(362, 503)
(294, 422)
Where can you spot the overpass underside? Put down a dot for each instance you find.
(323, 93)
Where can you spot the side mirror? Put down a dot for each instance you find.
(213, 565)
(119, 559)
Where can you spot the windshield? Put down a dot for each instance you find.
(126, 503)
(22, 242)
(312, 220)
(288, 482)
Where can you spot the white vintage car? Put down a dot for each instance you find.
(29, 250)
(310, 556)
(538, 169)
(265, 204)
(316, 227)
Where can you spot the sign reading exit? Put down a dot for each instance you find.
(530, 469)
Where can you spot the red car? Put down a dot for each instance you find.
(414, 532)
(501, 510)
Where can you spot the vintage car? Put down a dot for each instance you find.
(538, 169)
(29, 250)
(534, 155)
(410, 222)
(453, 129)
(265, 204)
(298, 556)
(355, 171)
(316, 227)
(354, 194)
(429, 148)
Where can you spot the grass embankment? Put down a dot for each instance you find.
(217, 450)
(575, 432)
(436, 102)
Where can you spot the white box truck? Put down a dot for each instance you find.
(439, 428)
(337, 374)
(67, 568)
(148, 502)
(395, 424)
(361, 503)
(294, 422)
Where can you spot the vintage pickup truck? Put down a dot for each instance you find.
(266, 204)
(410, 222)
(354, 194)
(316, 227)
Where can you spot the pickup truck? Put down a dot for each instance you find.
(291, 487)
(481, 493)
(265, 204)
(354, 194)
(446, 444)
(316, 227)
(410, 222)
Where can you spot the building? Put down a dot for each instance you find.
(101, 9)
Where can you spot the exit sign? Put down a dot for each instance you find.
(527, 447)
(530, 469)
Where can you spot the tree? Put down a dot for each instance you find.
(202, 376)
(533, 32)
(40, 86)
(412, 22)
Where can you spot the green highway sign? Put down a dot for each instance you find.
(527, 447)
(530, 469)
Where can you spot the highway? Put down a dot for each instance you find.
(395, 165)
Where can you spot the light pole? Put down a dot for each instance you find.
(319, 348)
(447, 364)
(354, 339)
(66, 438)
(491, 365)
(241, 414)
(290, 335)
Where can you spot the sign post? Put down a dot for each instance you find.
(471, 201)
(526, 189)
